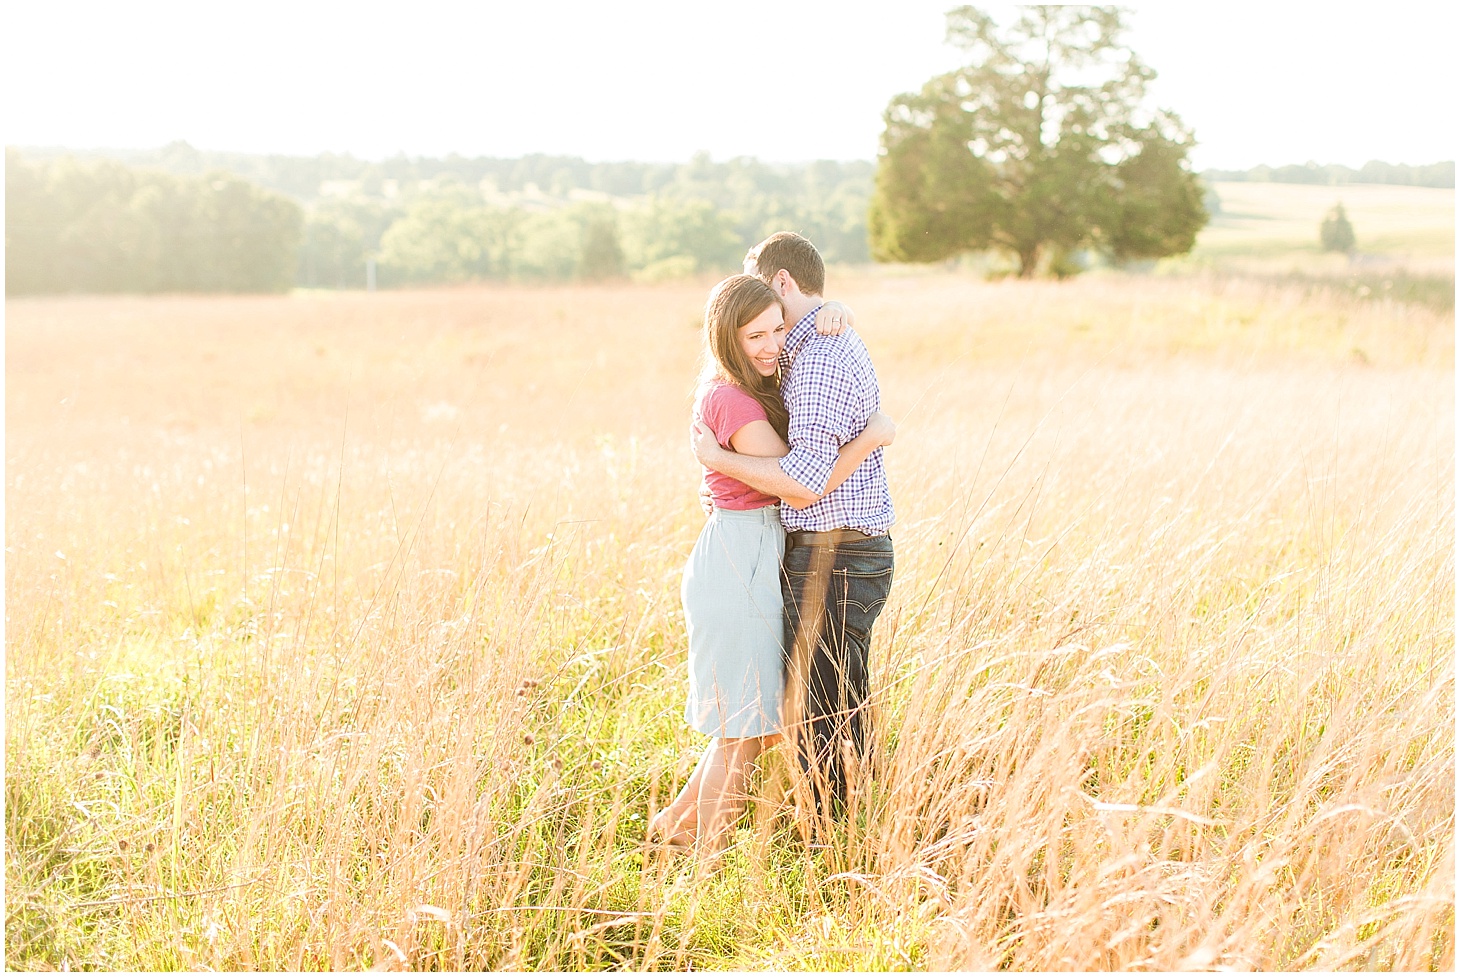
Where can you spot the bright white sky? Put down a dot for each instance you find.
(662, 79)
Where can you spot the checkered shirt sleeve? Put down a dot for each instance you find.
(827, 410)
(830, 390)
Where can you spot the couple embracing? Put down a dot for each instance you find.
(794, 563)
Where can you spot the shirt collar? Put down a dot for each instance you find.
(803, 330)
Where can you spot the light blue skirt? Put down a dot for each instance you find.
(732, 608)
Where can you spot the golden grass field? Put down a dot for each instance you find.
(343, 632)
(1262, 222)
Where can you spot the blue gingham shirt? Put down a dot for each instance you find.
(830, 389)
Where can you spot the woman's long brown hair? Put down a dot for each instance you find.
(733, 303)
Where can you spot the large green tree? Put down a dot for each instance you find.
(1040, 146)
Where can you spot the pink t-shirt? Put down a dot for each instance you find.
(725, 408)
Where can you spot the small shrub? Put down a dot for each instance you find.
(1336, 233)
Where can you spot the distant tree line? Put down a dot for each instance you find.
(105, 227)
(419, 220)
(307, 178)
(698, 216)
(1333, 174)
(180, 219)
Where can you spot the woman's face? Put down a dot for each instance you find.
(761, 339)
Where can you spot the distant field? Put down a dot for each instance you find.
(343, 631)
(1265, 221)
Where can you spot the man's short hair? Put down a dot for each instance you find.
(791, 251)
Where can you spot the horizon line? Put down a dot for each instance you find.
(402, 154)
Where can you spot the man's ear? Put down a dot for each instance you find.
(783, 283)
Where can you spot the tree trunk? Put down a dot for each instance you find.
(1028, 261)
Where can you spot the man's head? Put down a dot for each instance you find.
(788, 258)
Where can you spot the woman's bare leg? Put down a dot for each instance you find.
(675, 824)
(722, 790)
(713, 797)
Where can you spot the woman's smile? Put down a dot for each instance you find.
(762, 338)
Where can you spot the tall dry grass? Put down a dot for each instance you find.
(343, 632)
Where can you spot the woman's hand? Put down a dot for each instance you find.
(882, 427)
(832, 318)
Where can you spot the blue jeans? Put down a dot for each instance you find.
(832, 596)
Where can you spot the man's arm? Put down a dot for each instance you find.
(879, 432)
(824, 417)
(760, 473)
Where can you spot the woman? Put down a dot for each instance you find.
(731, 589)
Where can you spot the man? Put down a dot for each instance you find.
(838, 563)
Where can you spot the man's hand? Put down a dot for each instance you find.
(706, 449)
(832, 317)
(882, 427)
(707, 501)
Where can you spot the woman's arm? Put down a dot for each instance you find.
(759, 440)
(832, 317)
(880, 430)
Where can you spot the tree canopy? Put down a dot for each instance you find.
(1040, 146)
